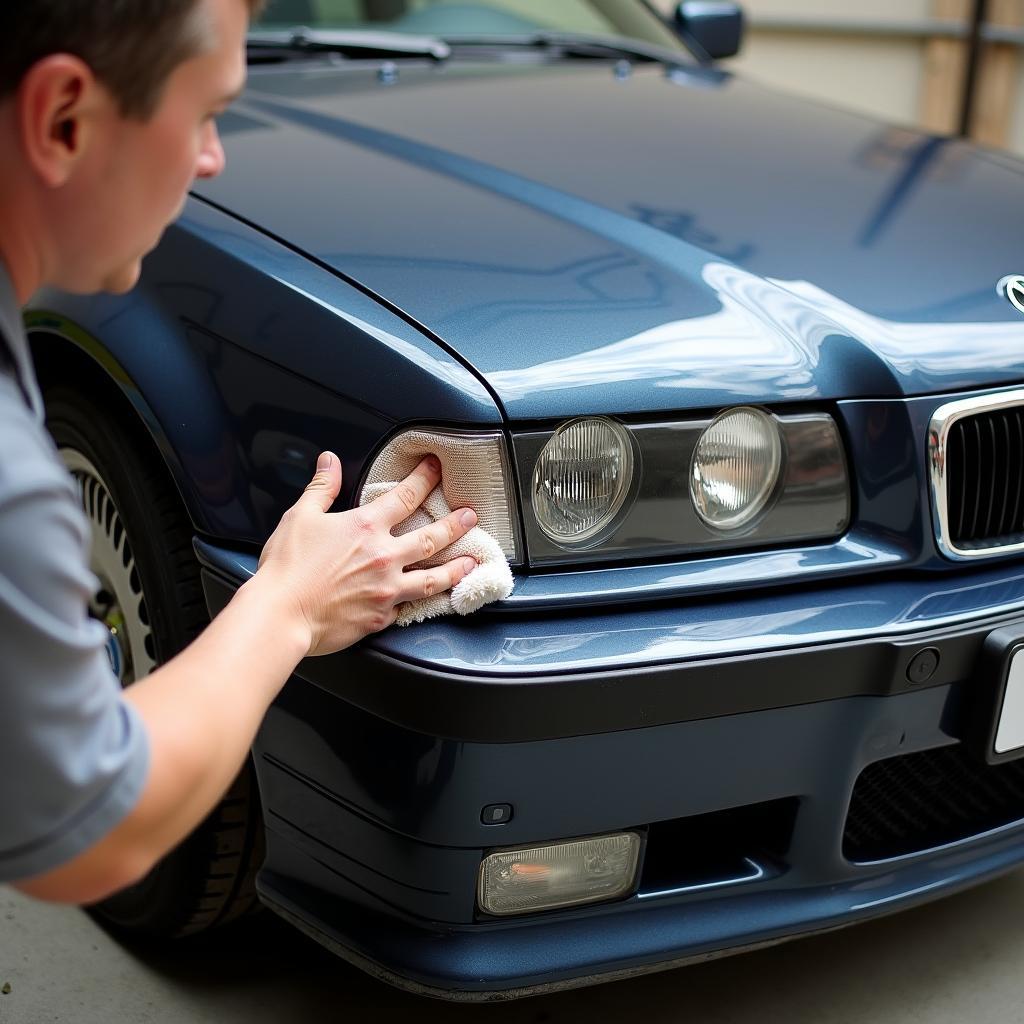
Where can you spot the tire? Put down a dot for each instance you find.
(151, 600)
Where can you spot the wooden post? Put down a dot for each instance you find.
(996, 90)
(945, 68)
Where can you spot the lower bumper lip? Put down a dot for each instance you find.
(534, 958)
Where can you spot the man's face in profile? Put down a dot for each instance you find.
(137, 173)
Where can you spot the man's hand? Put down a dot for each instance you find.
(325, 580)
(345, 570)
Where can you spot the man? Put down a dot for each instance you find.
(107, 112)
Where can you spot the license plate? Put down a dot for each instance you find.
(1010, 723)
(996, 731)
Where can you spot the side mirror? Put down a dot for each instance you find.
(712, 28)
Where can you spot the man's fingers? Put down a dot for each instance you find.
(428, 540)
(419, 583)
(400, 502)
(323, 488)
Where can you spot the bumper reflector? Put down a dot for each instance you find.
(526, 880)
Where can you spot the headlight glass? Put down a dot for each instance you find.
(735, 468)
(581, 479)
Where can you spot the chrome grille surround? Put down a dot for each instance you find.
(939, 429)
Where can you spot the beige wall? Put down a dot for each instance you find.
(874, 76)
(884, 74)
(875, 10)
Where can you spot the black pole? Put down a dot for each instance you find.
(973, 59)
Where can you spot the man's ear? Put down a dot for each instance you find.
(58, 105)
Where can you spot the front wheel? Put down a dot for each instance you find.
(151, 602)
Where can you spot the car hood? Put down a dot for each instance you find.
(596, 241)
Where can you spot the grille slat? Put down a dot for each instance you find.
(976, 474)
(1003, 510)
(918, 801)
(1016, 471)
(985, 479)
(957, 492)
(988, 458)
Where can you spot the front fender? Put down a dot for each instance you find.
(244, 360)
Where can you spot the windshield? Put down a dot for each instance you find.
(491, 19)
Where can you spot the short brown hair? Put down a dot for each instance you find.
(131, 46)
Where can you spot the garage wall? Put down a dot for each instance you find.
(834, 69)
(902, 60)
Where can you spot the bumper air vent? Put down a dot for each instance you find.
(721, 848)
(919, 801)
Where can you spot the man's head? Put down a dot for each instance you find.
(130, 45)
(106, 116)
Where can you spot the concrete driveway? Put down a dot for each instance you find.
(956, 961)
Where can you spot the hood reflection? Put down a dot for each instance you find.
(775, 332)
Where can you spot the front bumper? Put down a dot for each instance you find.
(375, 766)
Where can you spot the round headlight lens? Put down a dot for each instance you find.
(581, 479)
(735, 467)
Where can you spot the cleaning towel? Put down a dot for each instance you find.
(467, 470)
(490, 581)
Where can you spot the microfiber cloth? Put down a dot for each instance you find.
(462, 474)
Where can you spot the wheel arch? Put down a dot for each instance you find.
(65, 352)
(208, 879)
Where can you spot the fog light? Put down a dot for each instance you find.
(558, 875)
(735, 468)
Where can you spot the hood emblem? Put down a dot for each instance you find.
(1012, 286)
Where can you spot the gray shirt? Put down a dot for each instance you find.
(73, 754)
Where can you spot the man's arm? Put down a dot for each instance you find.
(325, 580)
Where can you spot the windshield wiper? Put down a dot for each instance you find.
(267, 44)
(579, 44)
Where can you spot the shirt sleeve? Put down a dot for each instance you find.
(73, 753)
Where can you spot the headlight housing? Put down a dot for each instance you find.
(742, 478)
(594, 489)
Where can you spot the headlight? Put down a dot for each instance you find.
(735, 468)
(474, 474)
(598, 490)
(581, 479)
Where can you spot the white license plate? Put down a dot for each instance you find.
(1010, 728)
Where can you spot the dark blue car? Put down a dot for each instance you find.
(740, 382)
